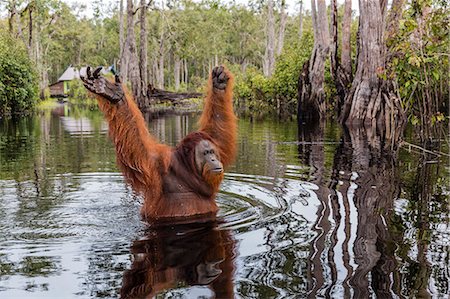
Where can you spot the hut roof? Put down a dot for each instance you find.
(69, 74)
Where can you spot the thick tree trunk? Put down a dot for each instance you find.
(143, 55)
(130, 49)
(269, 55)
(372, 100)
(314, 99)
(282, 30)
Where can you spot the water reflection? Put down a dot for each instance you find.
(359, 245)
(181, 255)
(313, 212)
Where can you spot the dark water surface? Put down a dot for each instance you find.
(312, 212)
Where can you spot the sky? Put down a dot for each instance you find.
(292, 5)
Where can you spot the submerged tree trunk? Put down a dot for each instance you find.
(282, 30)
(314, 99)
(269, 55)
(372, 100)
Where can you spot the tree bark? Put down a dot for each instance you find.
(300, 25)
(143, 52)
(393, 21)
(269, 56)
(334, 61)
(346, 60)
(132, 60)
(372, 100)
(165, 95)
(314, 98)
(123, 60)
(176, 72)
(282, 29)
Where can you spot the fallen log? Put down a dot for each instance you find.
(164, 95)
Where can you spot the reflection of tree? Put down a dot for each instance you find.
(377, 188)
(356, 207)
(311, 151)
(190, 254)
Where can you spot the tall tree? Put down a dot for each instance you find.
(121, 36)
(131, 55)
(346, 60)
(282, 29)
(143, 52)
(300, 25)
(372, 99)
(269, 56)
(311, 91)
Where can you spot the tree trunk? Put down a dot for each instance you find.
(371, 100)
(132, 60)
(143, 55)
(394, 16)
(186, 72)
(160, 77)
(300, 27)
(346, 59)
(269, 55)
(123, 55)
(340, 80)
(312, 97)
(176, 72)
(161, 64)
(282, 30)
(334, 61)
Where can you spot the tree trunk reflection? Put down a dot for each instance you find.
(352, 254)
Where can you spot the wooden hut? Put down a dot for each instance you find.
(61, 88)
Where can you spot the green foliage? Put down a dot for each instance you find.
(78, 94)
(255, 93)
(18, 80)
(420, 63)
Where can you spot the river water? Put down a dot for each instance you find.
(313, 212)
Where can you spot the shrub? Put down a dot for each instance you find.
(18, 79)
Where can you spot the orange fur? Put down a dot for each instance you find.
(148, 165)
(219, 121)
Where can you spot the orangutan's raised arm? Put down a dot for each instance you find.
(139, 155)
(218, 119)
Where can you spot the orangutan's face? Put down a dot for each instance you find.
(206, 158)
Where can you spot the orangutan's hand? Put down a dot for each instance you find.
(97, 84)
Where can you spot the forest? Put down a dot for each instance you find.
(341, 183)
(382, 63)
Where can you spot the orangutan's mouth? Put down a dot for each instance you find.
(217, 170)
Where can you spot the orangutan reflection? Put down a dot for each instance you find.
(170, 255)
